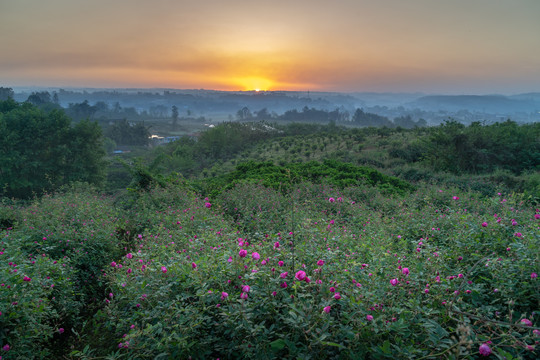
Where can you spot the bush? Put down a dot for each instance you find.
(460, 278)
(315, 270)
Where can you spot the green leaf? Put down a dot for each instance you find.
(386, 347)
(277, 345)
(328, 343)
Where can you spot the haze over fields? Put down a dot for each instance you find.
(429, 46)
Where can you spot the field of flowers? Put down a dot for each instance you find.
(314, 272)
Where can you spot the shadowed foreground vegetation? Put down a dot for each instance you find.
(317, 271)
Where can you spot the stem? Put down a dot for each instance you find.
(503, 323)
(439, 354)
(293, 229)
(292, 218)
(464, 280)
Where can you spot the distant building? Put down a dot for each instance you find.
(156, 140)
(122, 150)
(170, 139)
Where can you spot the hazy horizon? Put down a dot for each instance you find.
(417, 46)
(23, 88)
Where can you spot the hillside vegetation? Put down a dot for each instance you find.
(292, 241)
(486, 158)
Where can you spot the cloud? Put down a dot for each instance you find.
(317, 44)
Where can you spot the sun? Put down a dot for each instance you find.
(254, 83)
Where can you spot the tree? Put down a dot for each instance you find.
(368, 119)
(405, 122)
(159, 111)
(174, 115)
(101, 106)
(421, 123)
(85, 154)
(263, 114)
(244, 114)
(117, 108)
(55, 98)
(6, 93)
(39, 98)
(126, 133)
(40, 151)
(82, 110)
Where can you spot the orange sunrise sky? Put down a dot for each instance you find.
(450, 46)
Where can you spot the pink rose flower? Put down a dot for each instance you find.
(484, 350)
(300, 275)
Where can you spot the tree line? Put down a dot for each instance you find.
(41, 150)
(477, 148)
(338, 116)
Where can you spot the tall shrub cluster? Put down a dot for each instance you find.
(41, 151)
(52, 257)
(317, 271)
(320, 272)
(478, 148)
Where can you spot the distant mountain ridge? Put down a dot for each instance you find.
(484, 103)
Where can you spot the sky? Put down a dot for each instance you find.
(430, 46)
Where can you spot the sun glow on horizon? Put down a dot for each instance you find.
(254, 83)
(248, 45)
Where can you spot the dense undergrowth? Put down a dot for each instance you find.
(308, 242)
(317, 271)
(336, 173)
(485, 158)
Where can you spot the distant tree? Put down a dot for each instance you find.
(174, 112)
(159, 111)
(478, 148)
(126, 133)
(290, 115)
(116, 107)
(263, 114)
(421, 123)
(55, 98)
(43, 100)
(6, 93)
(39, 98)
(40, 151)
(130, 112)
(101, 106)
(85, 154)
(8, 105)
(244, 114)
(81, 111)
(109, 144)
(368, 119)
(405, 122)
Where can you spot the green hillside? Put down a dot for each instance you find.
(266, 241)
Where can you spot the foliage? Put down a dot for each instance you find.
(480, 148)
(41, 151)
(430, 273)
(298, 252)
(51, 262)
(125, 133)
(368, 119)
(189, 156)
(6, 93)
(332, 172)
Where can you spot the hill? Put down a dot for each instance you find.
(482, 103)
(258, 240)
